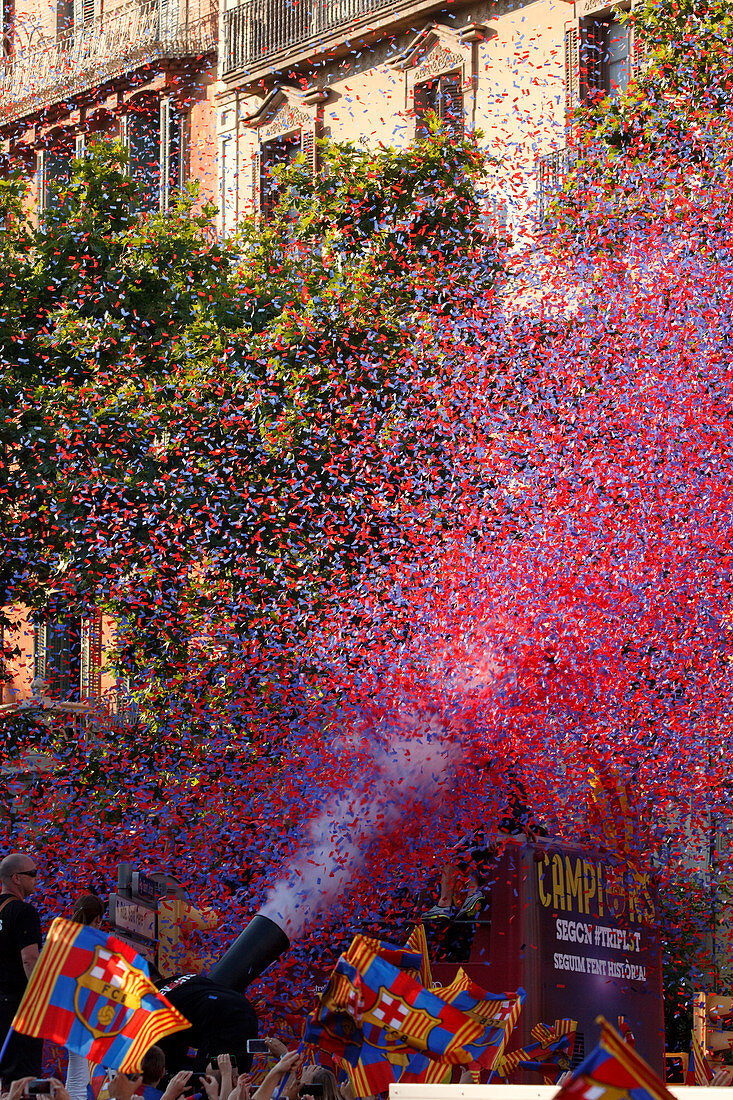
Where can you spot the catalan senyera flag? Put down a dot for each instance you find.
(698, 1067)
(93, 994)
(418, 941)
(613, 1071)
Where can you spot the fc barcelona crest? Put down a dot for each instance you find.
(108, 993)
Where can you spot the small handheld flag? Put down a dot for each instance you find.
(93, 994)
(613, 1071)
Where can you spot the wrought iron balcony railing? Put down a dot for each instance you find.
(552, 170)
(104, 48)
(260, 34)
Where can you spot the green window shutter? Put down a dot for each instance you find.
(308, 147)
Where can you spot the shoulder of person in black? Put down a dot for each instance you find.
(20, 916)
(20, 926)
(198, 991)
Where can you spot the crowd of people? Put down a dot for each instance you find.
(224, 1022)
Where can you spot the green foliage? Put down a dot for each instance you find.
(641, 156)
(215, 434)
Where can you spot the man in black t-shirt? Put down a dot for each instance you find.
(20, 946)
(221, 1019)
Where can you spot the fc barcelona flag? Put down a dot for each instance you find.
(383, 1026)
(92, 993)
(613, 1071)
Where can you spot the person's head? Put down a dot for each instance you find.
(89, 910)
(18, 874)
(319, 1075)
(153, 1066)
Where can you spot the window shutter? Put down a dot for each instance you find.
(182, 138)
(91, 656)
(39, 651)
(308, 148)
(257, 181)
(572, 73)
(451, 104)
(167, 159)
(88, 11)
(78, 14)
(638, 58)
(41, 180)
(167, 20)
(125, 135)
(422, 102)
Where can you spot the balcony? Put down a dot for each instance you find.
(261, 36)
(104, 48)
(552, 170)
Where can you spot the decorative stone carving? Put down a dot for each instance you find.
(437, 60)
(286, 118)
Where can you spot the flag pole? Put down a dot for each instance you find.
(279, 1090)
(5, 1044)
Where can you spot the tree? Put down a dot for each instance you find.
(208, 440)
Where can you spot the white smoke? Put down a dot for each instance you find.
(411, 772)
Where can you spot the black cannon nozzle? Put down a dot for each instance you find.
(259, 945)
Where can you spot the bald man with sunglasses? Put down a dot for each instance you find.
(20, 946)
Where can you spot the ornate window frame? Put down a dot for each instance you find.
(438, 51)
(285, 112)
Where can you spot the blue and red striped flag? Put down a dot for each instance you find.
(385, 1026)
(613, 1071)
(698, 1067)
(93, 994)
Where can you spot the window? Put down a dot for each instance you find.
(607, 56)
(54, 173)
(68, 657)
(172, 151)
(444, 96)
(599, 60)
(143, 141)
(155, 140)
(64, 16)
(278, 151)
(58, 658)
(7, 16)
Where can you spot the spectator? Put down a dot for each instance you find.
(88, 910)
(20, 946)
(319, 1075)
(19, 1089)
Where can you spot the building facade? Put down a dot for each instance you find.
(367, 71)
(142, 71)
(225, 96)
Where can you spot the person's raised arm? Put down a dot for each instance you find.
(288, 1065)
(224, 1062)
(177, 1085)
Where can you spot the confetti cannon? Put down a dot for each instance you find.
(260, 944)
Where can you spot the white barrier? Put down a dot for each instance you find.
(527, 1092)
